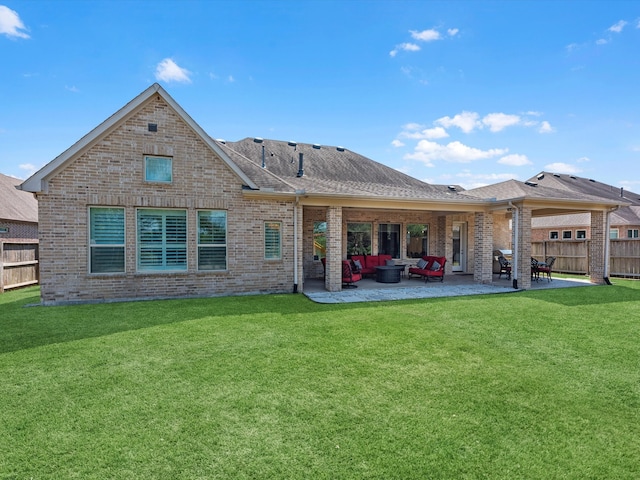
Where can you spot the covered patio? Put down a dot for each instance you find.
(454, 285)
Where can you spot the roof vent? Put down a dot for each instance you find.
(221, 140)
(292, 144)
(573, 176)
(152, 127)
(316, 146)
(531, 184)
(340, 149)
(556, 175)
(258, 140)
(592, 180)
(540, 177)
(452, 188)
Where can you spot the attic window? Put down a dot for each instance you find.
(158, 169)
(152, 127)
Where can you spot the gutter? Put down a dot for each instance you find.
(607, 241)
(514, 257)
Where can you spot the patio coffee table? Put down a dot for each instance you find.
(389, 273)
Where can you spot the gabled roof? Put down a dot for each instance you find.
(37, 182)
(329, 170)
(587, 186)
(14, 204)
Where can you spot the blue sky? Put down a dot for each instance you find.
(456, 92)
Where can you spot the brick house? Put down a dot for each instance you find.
(18, 211)
(148, 205)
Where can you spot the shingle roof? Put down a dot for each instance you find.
(587, 186)
(14, 204)
(328, 170)
(513, 189)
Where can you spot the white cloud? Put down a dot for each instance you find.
(406, 47)
(515, 160)
(602, 41)
(412, 126)
(397, 143)
(428, 152)
(560, 167)
(428, 133)
(617, 28)
(545, 127)
(426, 35)
(499, 121)
(583, 160)
(465, 121)
(168, 71)
(29, 168)
(10, 23)
(453, 32)
(71, 88)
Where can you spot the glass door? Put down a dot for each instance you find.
(459, 238)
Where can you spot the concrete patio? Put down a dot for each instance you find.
(454, 285)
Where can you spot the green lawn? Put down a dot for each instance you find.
(542, 384)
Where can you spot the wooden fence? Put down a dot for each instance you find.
(18, 264)
(572, 256)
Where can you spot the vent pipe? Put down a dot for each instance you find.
(300, 165)
(264, 165)
(621, 192)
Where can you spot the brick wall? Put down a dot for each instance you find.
(110, 173)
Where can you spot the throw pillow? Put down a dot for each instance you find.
(436, 266)
(421, 263)
(357, 264)
(390, 263)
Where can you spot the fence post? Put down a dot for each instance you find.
(1, 266)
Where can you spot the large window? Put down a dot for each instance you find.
(212, 240)
(358, 238)
(272, 240)
(319, 240)
(162, 240)
(417, 240)
(158, 169)
(389, 239)
(106, 240)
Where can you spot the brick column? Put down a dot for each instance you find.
(524, 246)
(445, 244)
(596, 247)
(333, 277)
(483, 248)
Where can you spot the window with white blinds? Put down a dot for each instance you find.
(106, 240)
(162, 240)
(212, 240)
(272, 240)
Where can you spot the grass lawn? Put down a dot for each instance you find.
(536, 384)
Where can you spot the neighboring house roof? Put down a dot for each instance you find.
(37, 182)
(16, 205)
(585, 185)
(628, 214)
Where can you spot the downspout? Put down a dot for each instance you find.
(514, 257)
(295, 244)
(607, 240)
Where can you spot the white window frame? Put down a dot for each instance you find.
(94, 245)
(147, 158)
(633, 233)
(581, 234)
(269, 253)
(164, 245)
(614, 233)
(557, 235)
(213, 244)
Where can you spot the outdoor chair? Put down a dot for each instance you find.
(505, 267)
(349, 277)
(535, 272)
(545, 268)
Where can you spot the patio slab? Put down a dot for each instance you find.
(453, 286)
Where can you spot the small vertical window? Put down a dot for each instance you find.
(158, 169)
(566, 234)
(553, 235)
(272, 240)
(581, 234)
(358, 239)
(106, 240)
(212, 240)
(613, 233)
